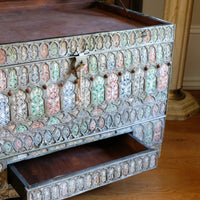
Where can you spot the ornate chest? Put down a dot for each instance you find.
(86, 107)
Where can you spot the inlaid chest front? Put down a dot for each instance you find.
(67, 93)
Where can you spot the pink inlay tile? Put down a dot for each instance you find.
(44, 51)
(2, 56)
(53, 101)
(37, 125)
(45, 73)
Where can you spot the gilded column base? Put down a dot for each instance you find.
(181, 105)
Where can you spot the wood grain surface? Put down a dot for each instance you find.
(177, 176)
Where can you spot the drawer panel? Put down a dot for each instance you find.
(82, 168)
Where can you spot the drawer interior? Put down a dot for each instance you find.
(64, 162)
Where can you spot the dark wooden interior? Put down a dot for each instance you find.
(22, 21)
(77, 158)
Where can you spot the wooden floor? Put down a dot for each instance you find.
(177, 176)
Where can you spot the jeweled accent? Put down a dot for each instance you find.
(111, 61)
(45, 75)
(101, 122)
(139, 37)
(34, 52)
(108, 42)
(19, 106)
(125, 89)
(162, 34)
(128, 59)
(117, 119)
(37, 102)
(73, 46)
(138, 85)
(136, 57)
(82, 45)
(13, 79)
(91, 43)
(4, 110)
(63, 189)
(8, 146)
(133, 115)
(140, 113)
(102, 63)
(144, 56)
(150, 84)
(163, 78)
(54, 49)
(147, 111)
(148, 135)
(3, 58)
(38, 139)
(24, 76)
(116, 40)
(3, 80)
(84, 127)
(111, 108)
(159, 53)
(69, 96)
(120, 60)
(92, 125)
(35, 74)
(28, 142)
(157, 131)
(112, 90)
(168, 32)
(139, 132)
(66, 132)
(154, 35)
(97, 111)
(47, 194)
(53, 100)
(18, 144)
(55, 71)
(148, 36)
(98, 90)
(93, 64)
(63, 48)
(99, 42)
(124, 39)
(44, 51)
(56, 134)
(53, 121)
(37, 125)
(12, 55)
(132, 38)
(168, 52)
(152, 54)
(75, 130)
(155, 110)
(21, 129)
(24, 54)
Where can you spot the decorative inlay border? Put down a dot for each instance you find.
(92, 178)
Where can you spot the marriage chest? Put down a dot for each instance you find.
(83, 96)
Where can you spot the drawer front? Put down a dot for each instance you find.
(95, 178)
(65, 186)
(63, 92)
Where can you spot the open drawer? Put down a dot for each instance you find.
(72, 171)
